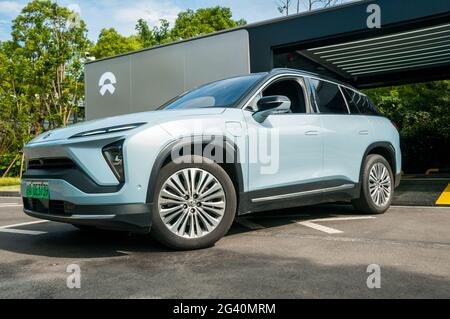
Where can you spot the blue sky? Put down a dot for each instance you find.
(123, 15)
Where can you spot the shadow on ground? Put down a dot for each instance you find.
(70, 242)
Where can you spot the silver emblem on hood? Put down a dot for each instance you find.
(46, 136)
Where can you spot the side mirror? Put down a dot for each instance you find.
(276, 104)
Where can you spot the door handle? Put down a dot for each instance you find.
(364, 132)
(312, 133)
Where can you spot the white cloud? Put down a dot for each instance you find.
(10, 6)
(74, 7)
(151, 11)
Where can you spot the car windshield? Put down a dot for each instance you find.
(224, 93)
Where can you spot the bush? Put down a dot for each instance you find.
(422, 112)
(6, 160)
(9, 181)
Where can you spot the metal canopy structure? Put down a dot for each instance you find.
(412, 44)
(412, 50)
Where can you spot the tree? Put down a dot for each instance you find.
(188, 24)
(49, 49)
(163, 34)
(41, 74)
(110, 43)
(422, 113)
(203, 21)
(145, 34)
(284, 5)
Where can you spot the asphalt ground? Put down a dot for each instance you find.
(310, 252)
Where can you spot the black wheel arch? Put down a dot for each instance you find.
(385, 149)
(228, 147)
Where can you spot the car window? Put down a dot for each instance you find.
(354, 100)
(224, 93)
(329, 98)
(290, 88)
(359, 103)
(367, 107)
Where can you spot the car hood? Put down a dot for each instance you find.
(151, 118)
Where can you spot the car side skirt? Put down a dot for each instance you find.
(299, 195)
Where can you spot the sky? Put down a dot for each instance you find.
(123, 15)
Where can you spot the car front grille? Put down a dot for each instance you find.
(50, 163)
(44, 206)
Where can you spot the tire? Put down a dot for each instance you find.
(367, 204)
(187, 222)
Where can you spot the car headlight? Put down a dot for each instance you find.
(113, 154)
(106, 130)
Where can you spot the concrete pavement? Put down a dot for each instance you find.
(279, 254)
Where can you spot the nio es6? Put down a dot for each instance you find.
(246, 144)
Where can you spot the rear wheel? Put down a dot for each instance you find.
(377, 189)
(194, 204)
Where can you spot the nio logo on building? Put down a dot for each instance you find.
(106, 83)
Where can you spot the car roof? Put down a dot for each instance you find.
(278, 71)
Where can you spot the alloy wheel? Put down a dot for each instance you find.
(191, 203)
(380, 184)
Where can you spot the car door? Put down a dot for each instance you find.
(345, 136)
(285, 151)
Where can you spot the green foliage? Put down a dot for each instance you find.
(112, 43)
(41, 75)
(416, 108)
(49, 49)
(188, 24)
(9, 181)
(422, 112)
(203, 21)
(8, 159)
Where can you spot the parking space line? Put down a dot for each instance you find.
(23, 224)
(318, 227)
(22, 232)
(444, 199)
(249, 224)
(335, 219)
(10, 205)
(278, 216)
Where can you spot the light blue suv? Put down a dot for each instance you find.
(247, 144)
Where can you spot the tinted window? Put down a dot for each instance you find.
(222, 93)
(359, 103)
(367, 107)
(353, 99)
(292, 90)
(329, 98)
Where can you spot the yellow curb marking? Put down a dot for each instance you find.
(444, 199)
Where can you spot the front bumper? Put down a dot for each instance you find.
(124, 217)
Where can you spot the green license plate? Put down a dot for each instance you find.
(37, 190)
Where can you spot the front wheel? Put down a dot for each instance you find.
(194, 204)
(377, 189)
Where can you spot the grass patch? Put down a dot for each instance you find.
(14, 188)
(9, 181)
